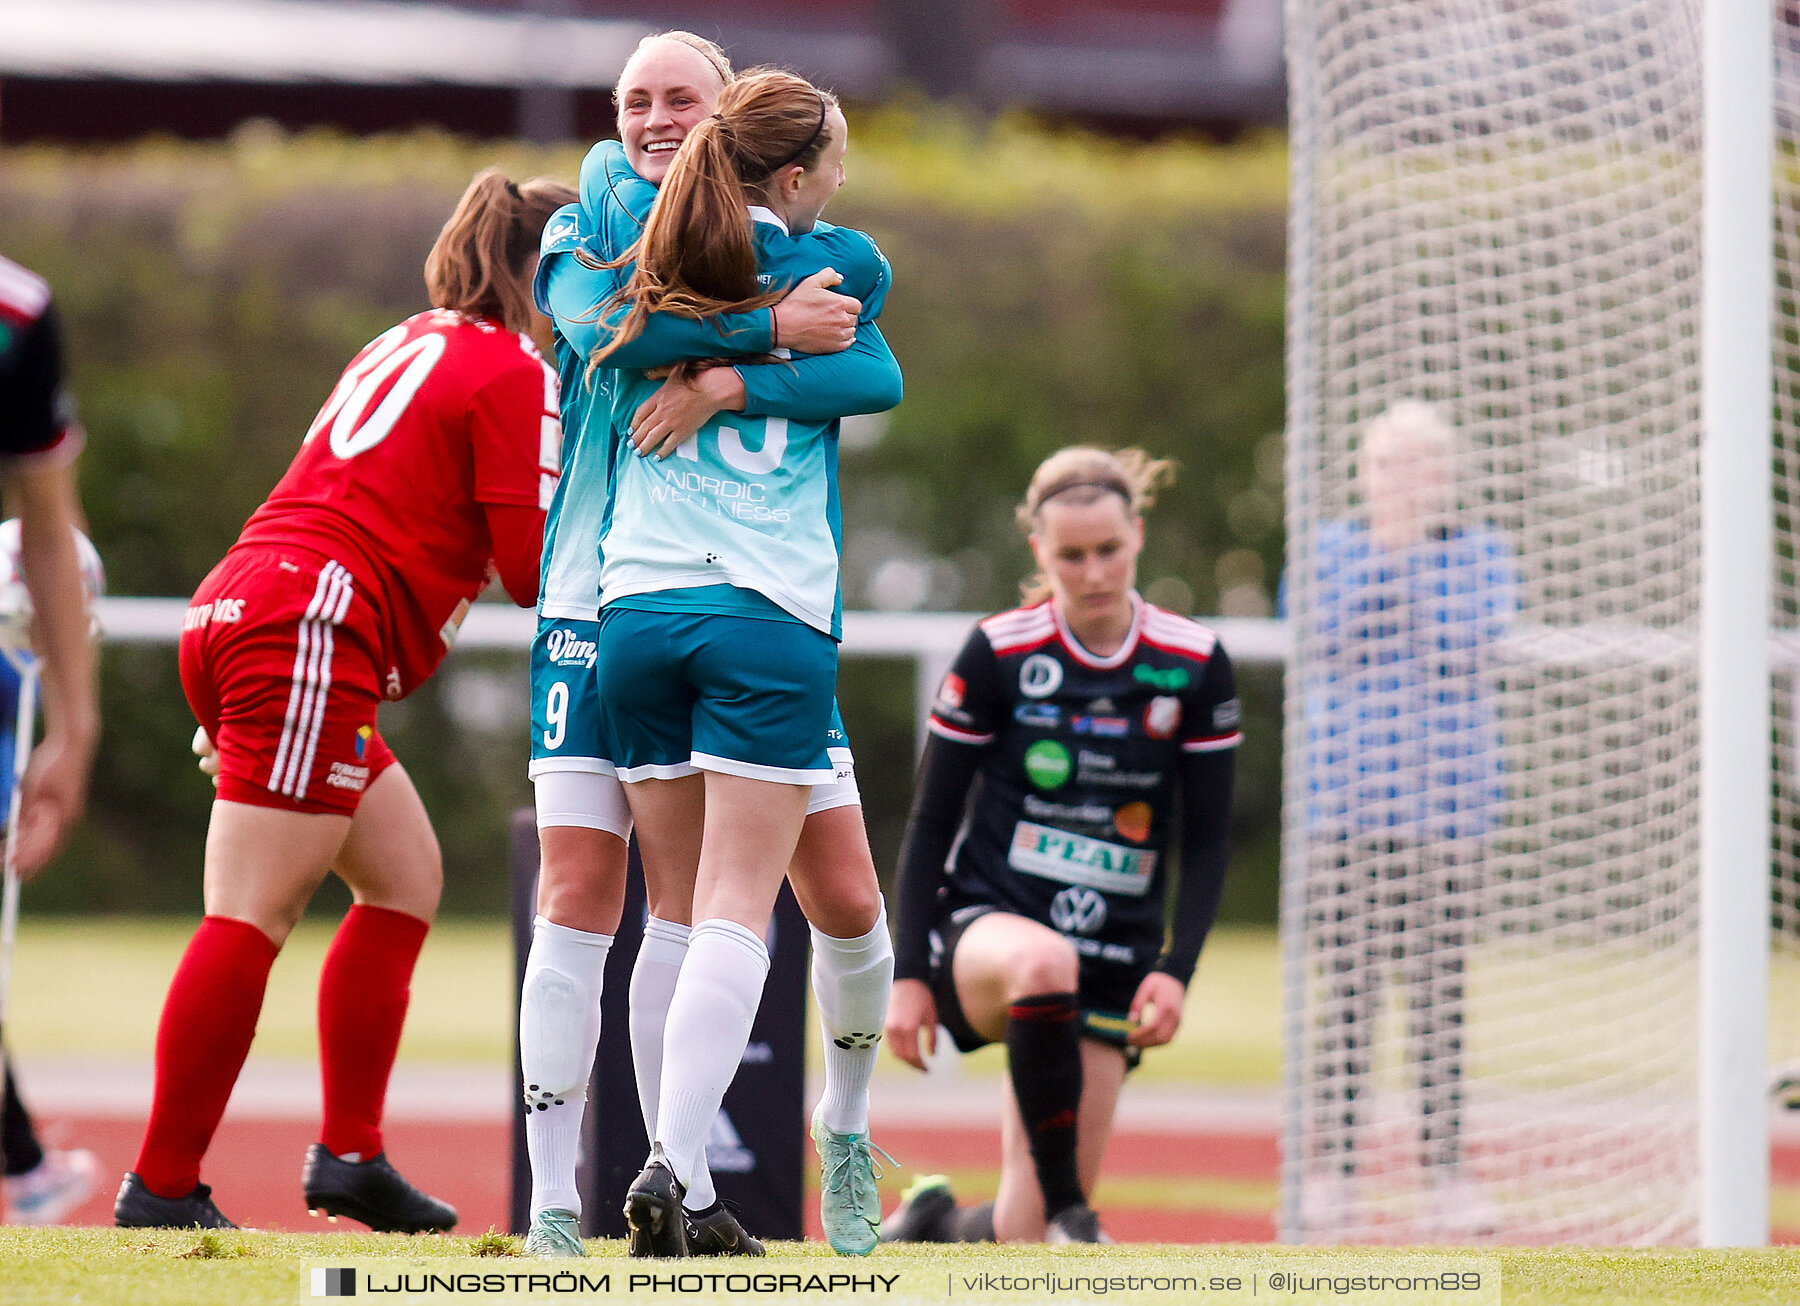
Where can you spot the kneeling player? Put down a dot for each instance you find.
(1032, 915)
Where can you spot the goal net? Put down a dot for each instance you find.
(1490, 854)
(1784, 957)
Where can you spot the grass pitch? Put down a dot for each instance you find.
(180, 1268)
(94, 987)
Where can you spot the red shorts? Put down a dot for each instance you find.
(279, 659)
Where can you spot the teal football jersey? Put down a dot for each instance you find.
(752, 500)
(569, 579)
(576, 293)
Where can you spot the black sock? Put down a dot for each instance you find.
(18, 1140)
(970, 1224)
(1043, 1049)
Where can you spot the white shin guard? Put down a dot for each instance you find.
(559, 1034)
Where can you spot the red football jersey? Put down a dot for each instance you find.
(434, 418)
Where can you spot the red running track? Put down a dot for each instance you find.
(254, 1168)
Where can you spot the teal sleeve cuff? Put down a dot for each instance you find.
(817, 388)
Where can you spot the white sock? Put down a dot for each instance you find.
(559, 1033)
(652, 985)
(851, 980)
(709, 1024)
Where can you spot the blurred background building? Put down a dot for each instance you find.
(102, 70)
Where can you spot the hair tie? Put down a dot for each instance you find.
(823, 110)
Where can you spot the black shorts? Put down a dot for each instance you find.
(1105, 991)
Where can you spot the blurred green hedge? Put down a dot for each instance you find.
(1049, 289)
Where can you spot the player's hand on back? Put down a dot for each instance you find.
(683, 404)
(814, 319)
(912, 1022)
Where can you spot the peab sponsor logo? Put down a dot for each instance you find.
(1074, 859)
(565, 648)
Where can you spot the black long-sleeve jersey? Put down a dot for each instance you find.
(1079, 766)
(37, 418)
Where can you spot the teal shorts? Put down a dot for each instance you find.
(565, 699)
(689, 691)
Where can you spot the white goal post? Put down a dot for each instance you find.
(1527, 820)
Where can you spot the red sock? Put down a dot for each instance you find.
(207, 1023)
(363, 992)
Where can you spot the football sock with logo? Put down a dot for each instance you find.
(851, 980)
(1043, 1050)
(710, 1018)
(559, 1034)
(364, 989)
(208, 1021)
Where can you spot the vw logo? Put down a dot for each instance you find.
(1078, 911)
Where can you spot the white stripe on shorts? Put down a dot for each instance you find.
(784, 775)
(312, 682)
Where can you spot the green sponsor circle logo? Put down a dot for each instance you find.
(1172, 678)
(1048, 764)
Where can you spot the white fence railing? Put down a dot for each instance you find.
(929, 639)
